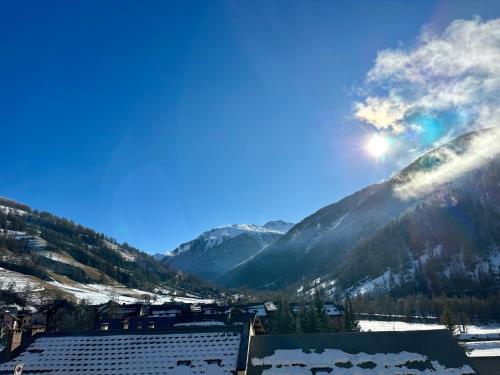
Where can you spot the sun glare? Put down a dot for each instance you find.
(377, 146)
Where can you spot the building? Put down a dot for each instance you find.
(391, 353)
(214, 350)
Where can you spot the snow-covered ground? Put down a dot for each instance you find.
(92, 293)
(381, 325)
(13, 211)
(474, 332)
(483, 348)
(99, 293)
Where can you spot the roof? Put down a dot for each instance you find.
(162, 322)
(411, 352)
(486, 365)
(210, 351)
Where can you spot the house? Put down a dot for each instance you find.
(209, 350)
(234, 349)
(185, 320)
(169, 309)
(411, 352)
(115, 310)
(9, 322)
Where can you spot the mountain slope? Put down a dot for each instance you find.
(219, 250)
(59, 255)
(340, 240)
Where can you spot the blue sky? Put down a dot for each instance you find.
(154, 121)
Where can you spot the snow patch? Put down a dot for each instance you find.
(296, 361)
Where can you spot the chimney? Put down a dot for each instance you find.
(15, 339)
(125, 323)
(104, 326)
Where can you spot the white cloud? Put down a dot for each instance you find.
(482, 148)
(458, 70)
(446, 84)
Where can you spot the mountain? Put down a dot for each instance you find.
(217, 251)
(54, 256)
(412, 232)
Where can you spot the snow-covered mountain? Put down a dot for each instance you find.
(218, 250)
(448, 199)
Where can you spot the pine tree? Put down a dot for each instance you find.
(350, 322)
(284, 321)
(448, 320)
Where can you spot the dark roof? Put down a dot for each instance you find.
(486, 365)
(163, 322)
(219, 350)
(391, 352)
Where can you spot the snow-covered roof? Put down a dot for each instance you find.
(390, 353)
(189, 351)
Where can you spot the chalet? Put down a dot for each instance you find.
(9, 322)
(414, 352)
(169, 309)
(185, 320)
(115, 310)
(236, 350)
(214, 350)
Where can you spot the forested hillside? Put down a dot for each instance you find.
(58, 250)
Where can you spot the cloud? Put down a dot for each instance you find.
(481, 149)
(457, 71)
(444, 85)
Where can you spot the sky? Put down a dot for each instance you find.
(154, 121)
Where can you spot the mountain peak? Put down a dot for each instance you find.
(278, 226)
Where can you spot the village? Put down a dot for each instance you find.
(216, 338)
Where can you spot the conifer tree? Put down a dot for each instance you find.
(448, 320)
(284, 321)
(350, 322)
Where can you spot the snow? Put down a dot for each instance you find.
(490, 332)
(211, 353)
(259, 310)
(381, 325)
(17, 280)
(478, 332)
(58, 257)
(483, 348)
(495, 260)
(216, 236)
(100, 293)
(296, 361)
(474, 332)
(208, 323)
(370, 286)
(129, 257)
(13, 211)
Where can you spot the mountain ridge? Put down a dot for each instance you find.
(218, 250)
(319, 245)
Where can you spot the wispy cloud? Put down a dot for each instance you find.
(444, 85)
(481, 149)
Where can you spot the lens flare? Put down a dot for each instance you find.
(377, 146)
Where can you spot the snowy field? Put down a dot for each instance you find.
(490, 332)
(92, 293)
(483, 348)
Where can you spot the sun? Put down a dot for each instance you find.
(377, 146)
